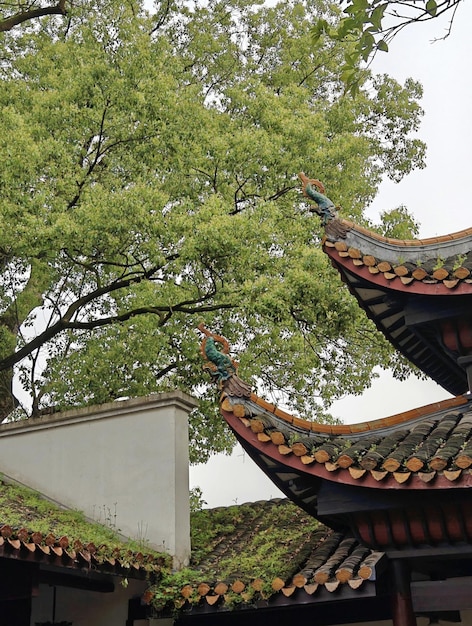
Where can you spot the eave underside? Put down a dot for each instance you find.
(398, 317)
(300, 608)
(382, 519)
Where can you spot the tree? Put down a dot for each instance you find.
(370, 25)
(148, 183)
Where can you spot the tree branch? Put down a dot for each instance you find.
(164, 313)
(8, 23)
(281, 192)
(69, 321)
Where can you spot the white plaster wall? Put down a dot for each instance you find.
(122, 463)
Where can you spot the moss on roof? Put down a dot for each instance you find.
(258, 540)
(243, 548)
(27, 515)
(240, 554)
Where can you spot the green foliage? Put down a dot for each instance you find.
(273, 542)
(459, 261)
(439, 263)
(399, 224)
(368, 26)
(149, 183)
(196, 499)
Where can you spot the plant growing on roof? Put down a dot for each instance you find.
(277, 541)
(26, 509)
(459, 261)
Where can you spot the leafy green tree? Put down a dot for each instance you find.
(370, 25)
(148, 183)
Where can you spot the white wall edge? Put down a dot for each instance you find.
(178, 399)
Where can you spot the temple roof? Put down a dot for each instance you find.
(267, 560)
(417, 292)
(396, 483)
(400, 484)
(267, 553)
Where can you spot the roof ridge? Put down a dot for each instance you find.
(403, 417)
(427, 241)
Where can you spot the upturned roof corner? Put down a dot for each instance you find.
(418, 292)
(422, 451)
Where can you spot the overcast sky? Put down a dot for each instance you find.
(438, 197)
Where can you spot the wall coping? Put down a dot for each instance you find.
(101, 411)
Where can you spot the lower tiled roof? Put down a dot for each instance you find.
(255, 552)
(64, 552)
(32, 527)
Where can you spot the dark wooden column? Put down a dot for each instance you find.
(402, 605)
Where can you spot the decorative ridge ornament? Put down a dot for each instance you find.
(335, 228)
(218, 362)
(438, 265)
(223, 369)
(315, 190)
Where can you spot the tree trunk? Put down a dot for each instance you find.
(8, 402)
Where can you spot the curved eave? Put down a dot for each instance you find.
(409, 288)
(353, 261)
(266, 432)
(285, 468)
(416, 251)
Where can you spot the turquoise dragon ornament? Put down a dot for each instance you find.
(314, 189)
(218, 362)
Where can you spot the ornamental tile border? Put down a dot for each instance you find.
(406, 273)
(20, 543)
(417, 444)
(341, 237)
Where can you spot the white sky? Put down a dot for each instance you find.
(438, 198)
